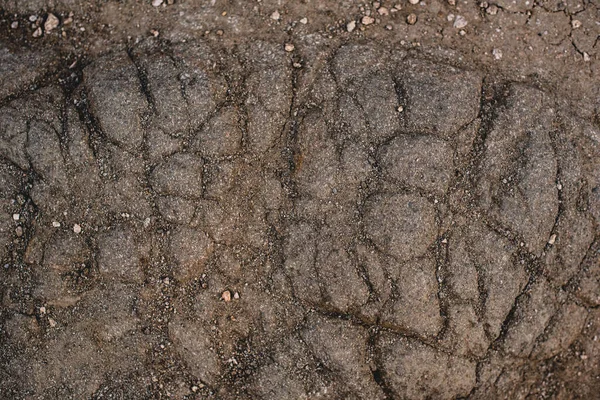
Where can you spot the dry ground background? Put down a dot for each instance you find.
(299, 199)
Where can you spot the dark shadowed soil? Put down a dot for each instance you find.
(299, 199)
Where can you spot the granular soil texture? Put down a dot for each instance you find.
(291, 215)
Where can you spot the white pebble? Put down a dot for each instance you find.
(37, 33)
(14, 24)
(77, 228)
(497, 53)
(350, 26)
(460, 22)
(413, 1)
(56, 224)
(156, 3)
(51, 22)
(367, 20)
(275, 15)
(16, 217)
(576, 24)
(289, 47)
(552, 239)
(304, 21)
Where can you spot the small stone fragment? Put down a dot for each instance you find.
(383, 11)
(586, 57)
(576, 24)
(552, 239)
(304, 21)
(400, 108)
(413, 1)
(226, 296)
(452, 2)
(42, 310)
(195, 388)
(289, 47)
(497, 53)
(77, 228)
(236, 295)
(51, 322)
(14, 25)
(492, 9)
(411, 19)
(275, 15)
(350, 26)
(33, 18)
(460, 22)
(16, 216)
(156, 3)
(19, 231)
(389, 27)
(37, 33)
(367, 20)
(56, 224)
(51, 23)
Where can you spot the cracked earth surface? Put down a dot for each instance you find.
(191, 217)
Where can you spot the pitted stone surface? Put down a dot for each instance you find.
(180, 220)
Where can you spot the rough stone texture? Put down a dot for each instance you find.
(346, 221)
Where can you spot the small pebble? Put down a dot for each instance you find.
(400, 108)
(367, 20)
(576, 24)
(77, 228)
(51, 23)
(411, 19)
(19, 231)
(559, 186)
(33, 18)
(226, 296)
(552, 239)
(220, 32)
(492, 9)
(236, 295)
(497, 53)
(450, 17)
(14, 24)
(56, 224)
(289, 47)
(389, 27)
(383, 11)
(586, 57)
(156, 3)
(304, 21)
(452, 2)
(42, 310)
(195, 388)
(275, 15)
(16, 216)
(413, 1)
(51, 322)
(37, 33)
(350, 26)
(460, 22)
